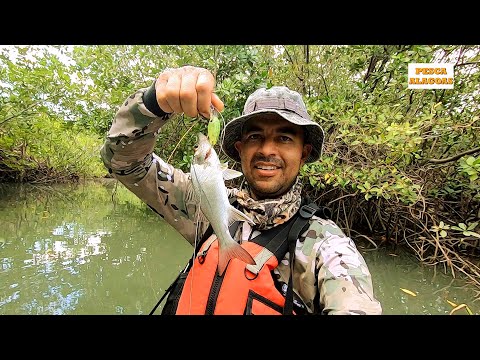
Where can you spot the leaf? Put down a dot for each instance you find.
(408, 292)
(452, 303)
(461, 306)
(472, 226)
(470, 160)
(471, 233)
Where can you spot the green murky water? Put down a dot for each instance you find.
(76, 249)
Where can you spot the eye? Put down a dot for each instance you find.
(285, 138)
(253, 137)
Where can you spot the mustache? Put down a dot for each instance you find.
(268, 159)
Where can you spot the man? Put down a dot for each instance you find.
(272, 140)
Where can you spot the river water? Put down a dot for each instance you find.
(94, 248)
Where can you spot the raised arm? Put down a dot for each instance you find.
(128, 149)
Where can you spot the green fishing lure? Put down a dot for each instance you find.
(214, 127)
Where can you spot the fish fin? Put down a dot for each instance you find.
(233, 250)
(237, 215)
(229, 174)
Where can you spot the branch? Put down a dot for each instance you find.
(468, 63)
(293, 65)
(453, 158)
(19, 113)
(35, 103)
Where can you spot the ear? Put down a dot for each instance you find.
(307, 149)
(238, 146)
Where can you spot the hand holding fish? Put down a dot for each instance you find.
(188, 90)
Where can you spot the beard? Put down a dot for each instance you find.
(260, 190)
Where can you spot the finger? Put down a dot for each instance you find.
(188, 93)
(161, 93)
(205, 85)
(172, 92)
(217, 103)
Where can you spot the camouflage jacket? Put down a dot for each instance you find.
(327, 262)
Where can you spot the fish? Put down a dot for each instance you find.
(208, 177)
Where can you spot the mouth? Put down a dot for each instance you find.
(266, 169)
(266, 166)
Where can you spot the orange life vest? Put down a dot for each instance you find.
(243, 289)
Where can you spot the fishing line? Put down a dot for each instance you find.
(222, 138)
(219, 115)
(185, 134)
(197, 225)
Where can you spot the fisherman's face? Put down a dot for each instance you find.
(272, 151)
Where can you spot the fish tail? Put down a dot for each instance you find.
(233, 250)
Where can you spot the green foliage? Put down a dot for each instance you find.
(469, 167)
(45, 150)
(465, 229)
(373, 181)
(380, 135)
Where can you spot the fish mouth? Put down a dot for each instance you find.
(209, 151)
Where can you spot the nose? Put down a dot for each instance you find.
(268, 147)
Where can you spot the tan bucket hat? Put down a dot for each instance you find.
(278, 100)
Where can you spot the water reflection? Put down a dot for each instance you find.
(71, 250)
(76, 249)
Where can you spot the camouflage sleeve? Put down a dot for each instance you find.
(128, 155)
(343, 278)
